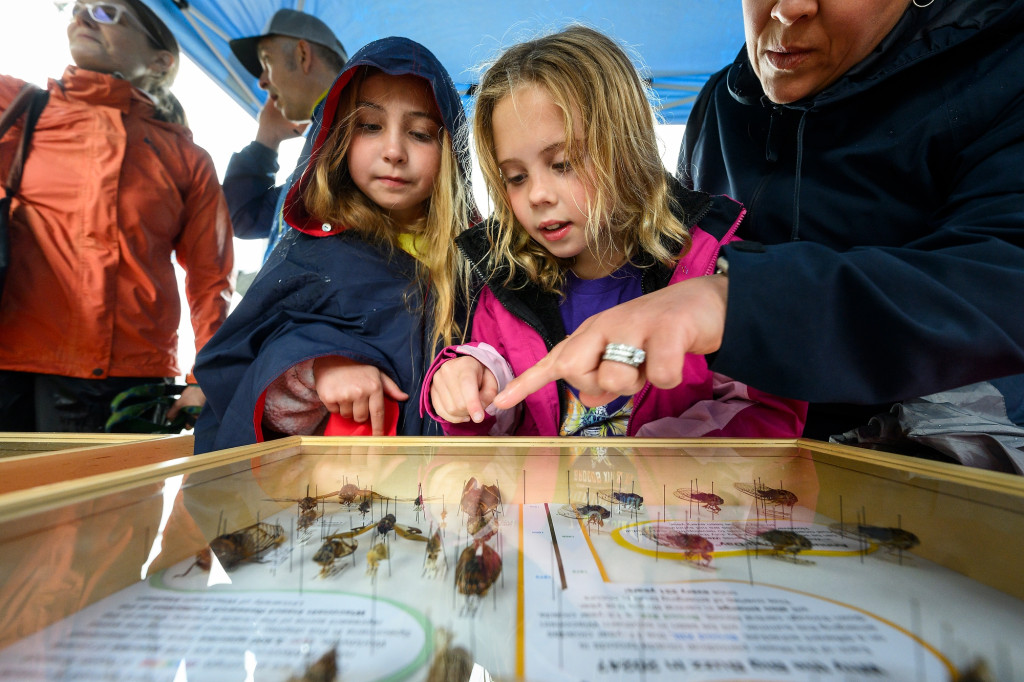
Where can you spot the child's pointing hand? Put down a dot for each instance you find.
(461, 389)
(354, 390)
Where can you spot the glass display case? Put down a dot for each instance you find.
(516, 559)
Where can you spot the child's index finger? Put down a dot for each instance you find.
(530, 381)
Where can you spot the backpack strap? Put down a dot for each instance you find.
(30, 99)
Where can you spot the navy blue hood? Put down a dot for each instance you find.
(395, 56)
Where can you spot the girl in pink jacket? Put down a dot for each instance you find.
(585, 218)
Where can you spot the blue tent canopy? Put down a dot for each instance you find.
(677, 43)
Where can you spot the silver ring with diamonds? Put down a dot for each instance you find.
(627, 355)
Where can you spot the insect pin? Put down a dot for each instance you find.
(231, 549)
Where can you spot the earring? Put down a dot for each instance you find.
(918, 4)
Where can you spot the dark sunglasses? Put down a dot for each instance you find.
(109, 13)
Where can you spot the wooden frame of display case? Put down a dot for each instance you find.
(29, 460)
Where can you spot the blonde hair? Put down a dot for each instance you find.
(333, 196)
(616, 152)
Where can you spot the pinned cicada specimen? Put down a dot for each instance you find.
(783, 542)
(307, 519)
(449, 663)
(709, 500)
(478, 567)
(629, 502)
(478, 500)
(307, 503)
(333, 548)
(778, 498)
(310, 508)
(352, 495)
(419, 501)
(893, 539)
(435, 563)
(690, 544)
(594, 514)
(377, 554)
(232, 549)
(324, 669)
(387, 524)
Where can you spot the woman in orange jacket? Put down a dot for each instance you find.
(112, 186)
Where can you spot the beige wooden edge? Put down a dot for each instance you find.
(23, 503)
(908, 467)
(665, 445)
(14, 445)
(21, 472)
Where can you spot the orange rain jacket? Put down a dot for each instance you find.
(108, 193)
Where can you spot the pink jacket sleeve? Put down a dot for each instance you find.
(497, 422)
(738, 411)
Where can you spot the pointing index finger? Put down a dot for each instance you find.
(530, 381)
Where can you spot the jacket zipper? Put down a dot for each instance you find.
(639, 397)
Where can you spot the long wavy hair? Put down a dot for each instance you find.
(333, 196)
(616, 153)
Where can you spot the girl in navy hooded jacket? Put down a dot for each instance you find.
(337, 327)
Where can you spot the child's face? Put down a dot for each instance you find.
(395, 152)
(547, 196)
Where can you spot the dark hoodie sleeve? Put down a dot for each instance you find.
(250, 190)
(906, 275)
(317, 297)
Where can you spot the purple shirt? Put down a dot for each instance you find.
(585, 298)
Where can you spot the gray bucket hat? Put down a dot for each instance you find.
(291, 23)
